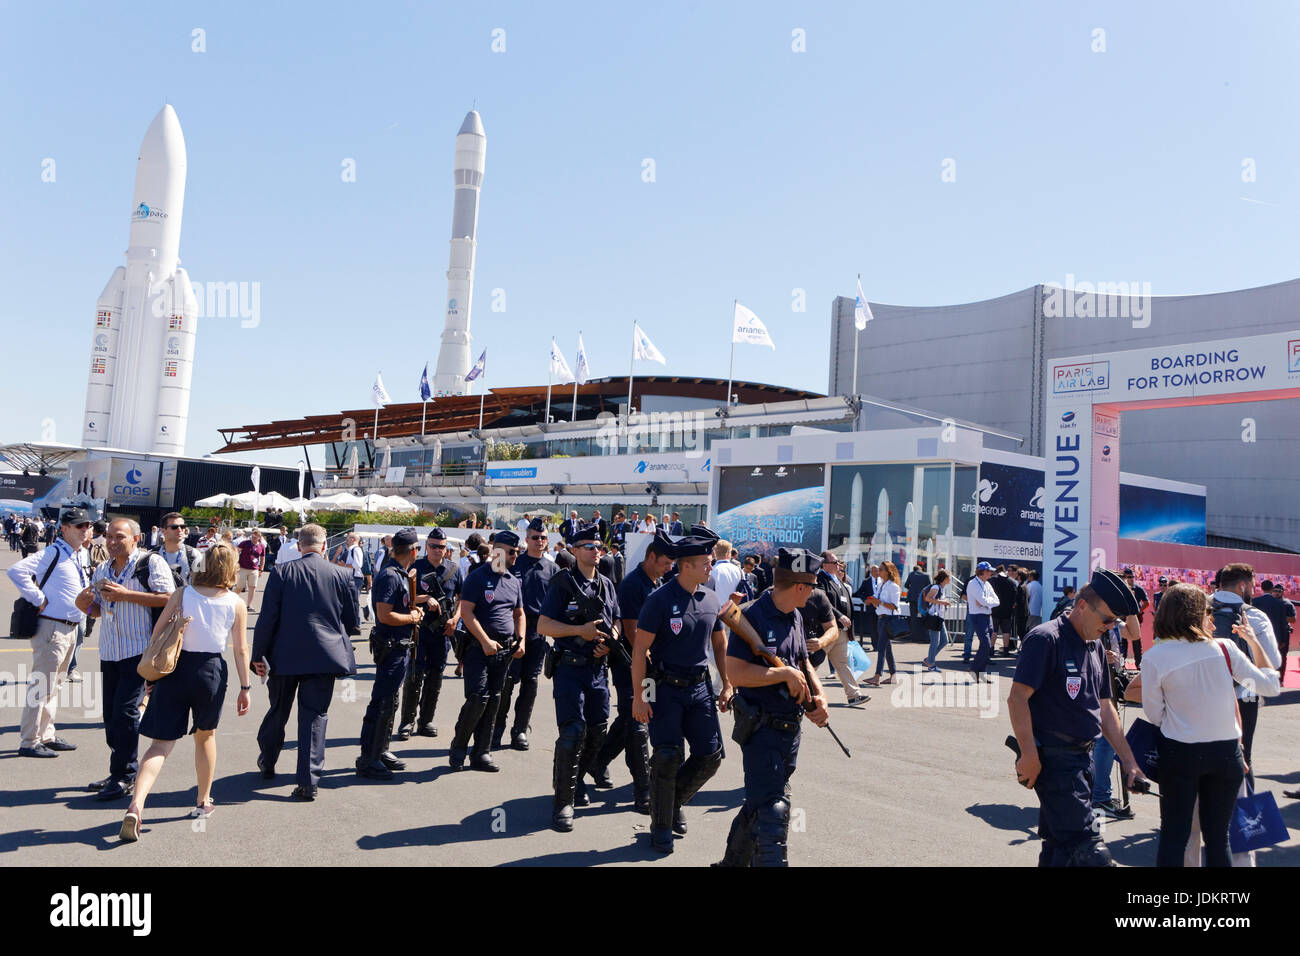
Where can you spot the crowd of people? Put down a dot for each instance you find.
(513, 606)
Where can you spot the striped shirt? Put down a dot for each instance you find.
(125, 628)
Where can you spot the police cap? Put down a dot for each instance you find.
(800, 562)
(1110, 587)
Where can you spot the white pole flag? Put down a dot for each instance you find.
(378, 394)
(559, 367)
(861, 311)
(583, 371)
(257, 478)
(643, 348)
(749, 329)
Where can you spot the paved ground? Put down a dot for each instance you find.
(930, 783)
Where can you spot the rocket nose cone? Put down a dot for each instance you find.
(473, 124)
(164, 141)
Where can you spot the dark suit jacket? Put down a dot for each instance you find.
(569, 528)
(307, 611)
(676, 528)
(916, 582)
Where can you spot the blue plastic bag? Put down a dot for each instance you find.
(859, 660)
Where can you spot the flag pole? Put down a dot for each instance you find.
(546, 419)
(573, 416)
(855, 345)
(481, 396)
(732, 366)
(631, 366)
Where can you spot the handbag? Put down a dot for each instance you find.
(23, 620)
(1256, 822)
(1144, 740)
(164, 650)
(897, 626)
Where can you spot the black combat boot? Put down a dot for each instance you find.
(740, 841)
(368, 764)
(502, 713)
(469, 717)
(523, 713)
(410, 697)
(429, 703)
(480, 758)
(568, 755)
(664, 768)
(386, 756)
(595, 736)
(637, 757)
(609, 750)
(771, 826)
(694, 773)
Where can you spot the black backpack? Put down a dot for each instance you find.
(1225, 616)
(142, 576)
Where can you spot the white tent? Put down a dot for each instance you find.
(265, 500)
(395, 503)
(341, 501)
(213, 501)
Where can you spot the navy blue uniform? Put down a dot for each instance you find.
(424, 679)
(581, 690)
(632, 593)
(1070, 681)
(495, 598)
(535, 577)
(771, 753)
(391, 649)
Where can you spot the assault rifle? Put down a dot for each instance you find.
(591, 607)
(739, 624)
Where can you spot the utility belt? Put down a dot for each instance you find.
(570, 659)
(509, 643)
(749, 718)
(675, 678)
(1061, 744)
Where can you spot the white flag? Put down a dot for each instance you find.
(559, 367)
(583, 371)
(379, 394)
(861, 311)
(257, 478)
(749, 329)
(643, 348)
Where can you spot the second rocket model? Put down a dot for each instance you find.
(142, 353)
(454, 353)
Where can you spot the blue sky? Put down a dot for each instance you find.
(775, 170)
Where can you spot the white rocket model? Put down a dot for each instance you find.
(882, 544)
(142, 356)
(913, 543)
(454, 354)
(853, 553)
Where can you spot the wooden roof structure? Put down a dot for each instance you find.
(517, 405)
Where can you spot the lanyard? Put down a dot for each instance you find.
(76, 561)
(120, 580)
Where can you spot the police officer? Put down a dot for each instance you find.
(492, 611)
(768, 708)
(442, 582)
(675, 627)
(534, 571)
(390, 643)
(580, 614)
(627, 731)
(1060, 702)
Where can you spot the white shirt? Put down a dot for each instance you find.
(1187, 689)
(888, 591)
(70, 575)
(1263, 629)
(213, 617)
(354, 559)
(725, 578)
(177, 561)
(288, 552)
(980, 597)
(206, 542)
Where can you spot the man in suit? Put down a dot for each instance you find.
(675, 527)
(915, 586)
(308, 611)
(866, 590)
(602, 526)
(570, 526)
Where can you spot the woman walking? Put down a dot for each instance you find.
(1187, 691)
(197, 686)
(934, 603)
(886, 602)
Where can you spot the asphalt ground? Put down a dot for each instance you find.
(929, 784)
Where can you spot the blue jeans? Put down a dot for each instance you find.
(1103, 761)
(965, 644)
(938, 639)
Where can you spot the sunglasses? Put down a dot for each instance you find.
(538, 537)
(513, 552)
(1106, 621)
(175, 527)
(587, 546)
(437, 547)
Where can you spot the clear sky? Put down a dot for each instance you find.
(775, 170)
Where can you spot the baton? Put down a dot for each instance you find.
(838, 741)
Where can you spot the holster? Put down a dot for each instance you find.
(548, 663)
(747, 719)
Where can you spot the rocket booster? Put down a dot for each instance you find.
(142, 351)
(454, 353)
